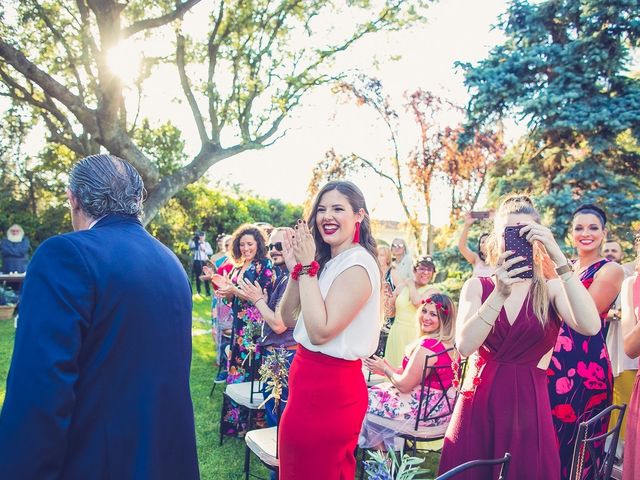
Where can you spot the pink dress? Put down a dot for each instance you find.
(631, 465)
(509, 411)
(386, 401)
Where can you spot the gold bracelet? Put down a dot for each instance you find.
(486, 321)
(492, 307)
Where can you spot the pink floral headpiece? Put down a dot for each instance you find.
(439, 306)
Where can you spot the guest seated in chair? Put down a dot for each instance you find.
(398, 399)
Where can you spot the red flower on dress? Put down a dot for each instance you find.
(565, 413)
(595, 400)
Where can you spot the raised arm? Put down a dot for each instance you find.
(606, 286)
(288, 309)
(630, 324)
(570, 298)
(325, 318)
(463, 246)
(475, 318)
(259, 297)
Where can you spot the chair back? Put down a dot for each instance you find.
(588, 443)
(382, 343)
(254, 365)
(436, 399)
(504, 470)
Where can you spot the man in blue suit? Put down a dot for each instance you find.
(99, 381)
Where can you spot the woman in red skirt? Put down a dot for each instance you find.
(334, 302)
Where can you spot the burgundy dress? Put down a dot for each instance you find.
(509, 411)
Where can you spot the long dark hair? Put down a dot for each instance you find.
(482, 255)
(357, 202)
(255, 232)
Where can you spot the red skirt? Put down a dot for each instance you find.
(319, 428)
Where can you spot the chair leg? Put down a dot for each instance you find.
(249, 418)
(213, 387)
(247, 460)
(224, 401)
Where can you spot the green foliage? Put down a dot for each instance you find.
(590, 181)
(563, 67)
(243, 68)
(385, 466)
(561, 181)
(163, 145)
(199, 207)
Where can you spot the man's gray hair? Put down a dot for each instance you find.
(105, 184)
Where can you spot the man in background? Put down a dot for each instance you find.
(201, 249)
(99, 380)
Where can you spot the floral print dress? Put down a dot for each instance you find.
(247, 325)
(386, 401)
(580, 383)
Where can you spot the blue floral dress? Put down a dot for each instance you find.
(580, 383)
(247, 325)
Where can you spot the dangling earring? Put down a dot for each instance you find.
(356, 235)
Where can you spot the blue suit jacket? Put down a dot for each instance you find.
(99, 381)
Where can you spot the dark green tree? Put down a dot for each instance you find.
(564, 69)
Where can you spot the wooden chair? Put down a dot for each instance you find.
(602, 464)
(478, 464)
(247, 395)
(264, 444)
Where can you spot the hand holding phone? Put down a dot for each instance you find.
(522, 248)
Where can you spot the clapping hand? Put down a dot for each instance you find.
(303, 244)
(253, 292)
(287, 249)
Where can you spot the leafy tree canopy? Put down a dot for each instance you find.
(240, 78)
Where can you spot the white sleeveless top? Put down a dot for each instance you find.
(360, 338)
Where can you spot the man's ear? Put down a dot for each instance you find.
(73, 201)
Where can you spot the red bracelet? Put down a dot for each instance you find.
(311, 270)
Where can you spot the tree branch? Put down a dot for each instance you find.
(184, 81)
(17, 60)
(149, 23)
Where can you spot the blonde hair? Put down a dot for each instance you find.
(387, 256)
(542, 265)
(447, 321)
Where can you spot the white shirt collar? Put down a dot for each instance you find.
(95, 221)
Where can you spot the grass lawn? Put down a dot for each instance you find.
(216, 463)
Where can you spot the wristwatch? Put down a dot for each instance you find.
(562, 269)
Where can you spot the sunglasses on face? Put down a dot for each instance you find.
(397, 245)
(277, 246)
